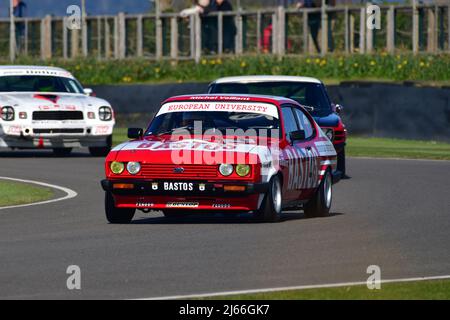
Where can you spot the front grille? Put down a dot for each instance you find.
(192, 171)
(57, 115)
(56, 131)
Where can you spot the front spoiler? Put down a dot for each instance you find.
(215, 189)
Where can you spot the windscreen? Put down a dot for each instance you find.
(38, 83)
(305, 93)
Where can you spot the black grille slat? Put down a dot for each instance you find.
(55, 131)
(58, 115)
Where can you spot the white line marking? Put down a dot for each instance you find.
(69, 193)
(266, 290)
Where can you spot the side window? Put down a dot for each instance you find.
(304, 123)
(290, 124)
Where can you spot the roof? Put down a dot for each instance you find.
(34, 70)
(249, 79)
(232, 98)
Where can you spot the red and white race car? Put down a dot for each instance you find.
(222, 153)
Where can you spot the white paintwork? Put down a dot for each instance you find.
(256, 79)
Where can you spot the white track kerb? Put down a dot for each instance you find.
(69, 193)
(270, 290)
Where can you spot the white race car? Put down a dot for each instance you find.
(47, 108)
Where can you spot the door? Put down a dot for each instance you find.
(310, 154)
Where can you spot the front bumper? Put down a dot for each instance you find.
(200, 196)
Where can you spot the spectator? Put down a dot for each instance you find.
(19, 11)
(209, 24)
(229, 28)
(313, 19)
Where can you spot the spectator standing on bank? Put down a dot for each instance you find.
(209, 24)
(19, 11)
(313, 19)
(229, 27)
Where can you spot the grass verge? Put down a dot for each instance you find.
(421, 290)
(371, 147)
(397, 148)
(17, 193)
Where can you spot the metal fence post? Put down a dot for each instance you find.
(220, 33)
(305, 32)
(369, 35)
(46, 37)
(116, 37)
(198, 38)
(99, 37)
(362, 30)
(192, 37)
(346, 30)
(12, 34)
(139, 36)
(324, 29)
(107, 39)
(159, 37)
(84, 33)
(274, 33)
(390, 33)
(281, 28)
(65, 39)
(415, 28)
(258, 31)
(174, 38)
(431, 30)
(240, 33)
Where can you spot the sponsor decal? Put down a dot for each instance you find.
(303, 169)
(182, 204)
(178, 186)
(325, 148)
(144, 204)
(154, 186)
(247, 107)
(221, 205)
(202, 187)
(102, 129)
(14, 130)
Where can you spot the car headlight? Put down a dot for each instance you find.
(242, 170)
(105, 113)
(329, 133)
(226, 169)
(117, 167)
(133, 167)
(7, 114)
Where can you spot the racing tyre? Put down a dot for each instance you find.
(341, 162)
(101, 151)
(62, 152)
(320, 205)
(271, 210)
(115, 215)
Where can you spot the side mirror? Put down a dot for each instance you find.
(297, 135)
(338, 108)
(88, 91)
(135, 133)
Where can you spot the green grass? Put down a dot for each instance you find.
(422, 290)
(16, 193)
(372, 147)
(397, 148)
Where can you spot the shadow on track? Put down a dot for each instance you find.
(221, 219)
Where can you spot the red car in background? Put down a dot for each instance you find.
(222, 153)
(311, 93)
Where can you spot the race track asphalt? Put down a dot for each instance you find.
(390, 213)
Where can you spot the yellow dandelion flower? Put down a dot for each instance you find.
(372, 63)
(243, 64)
(422, 64)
